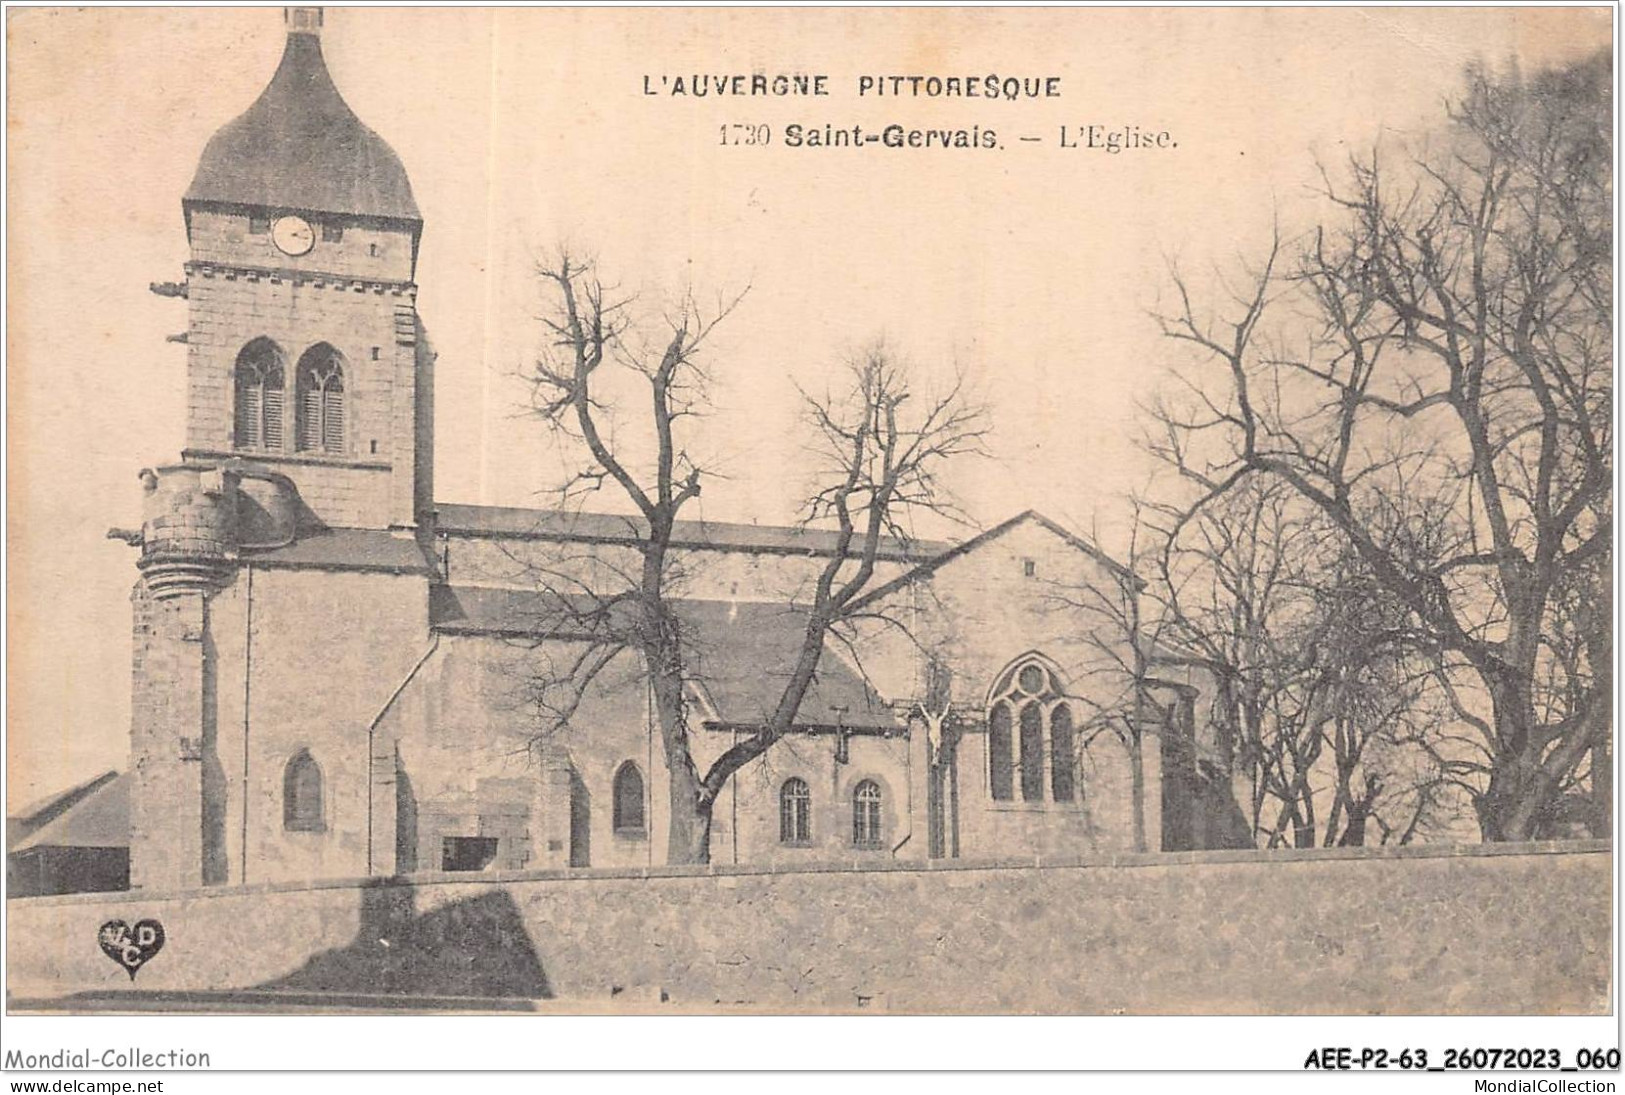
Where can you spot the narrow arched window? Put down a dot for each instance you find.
(321, 400)
(628, 803)
(302, 794)
(795, 812)
(258, 386)
(998, 750)
(866, 814)
(1063, 755)
(1032, 753)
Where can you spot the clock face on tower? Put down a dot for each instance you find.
(293, 235)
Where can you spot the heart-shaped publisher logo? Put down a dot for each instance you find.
(130, 947)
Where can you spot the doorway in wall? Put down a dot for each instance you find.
(580, 822)
(467, 853)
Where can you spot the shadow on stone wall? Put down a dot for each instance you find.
(475, 947)
(406, 819)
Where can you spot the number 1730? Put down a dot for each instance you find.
(737, 133)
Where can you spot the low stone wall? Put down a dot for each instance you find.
(1509, 929)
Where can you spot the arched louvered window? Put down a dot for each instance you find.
(259, 385)
(1063, 754)
(321, 400)
(628, 804)
(795, 812)
(1027, 702)
(866, 815)
(302, 794)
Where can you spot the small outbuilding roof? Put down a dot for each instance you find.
(99, 819)
(38, 812)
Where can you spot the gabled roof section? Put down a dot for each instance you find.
(744, 655)
(931, 566)
(742, 652)
(300, 146)
(491, 610)
(41, 812)
(347, 549)
(98, 819)
(611, 528)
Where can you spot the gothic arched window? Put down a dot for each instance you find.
(1030, 729)
(998, 752)
(321, 400)
(866, 814)
(302, 794)
(795, 812)
(1032, 753)
(258, 383)
(627, 807)
(1063, 751)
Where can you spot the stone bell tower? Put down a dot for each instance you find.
(310, 409)
(304, 349)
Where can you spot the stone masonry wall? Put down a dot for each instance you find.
(166, 706)
(457, 750)
(372, 324)
(1510, 929)
(367, 249)
(1019, 594)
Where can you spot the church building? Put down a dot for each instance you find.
(334, 673)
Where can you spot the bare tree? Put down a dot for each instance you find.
(1436, 383)
(1309, 704)
(884, 446)
(594, 608)
(881, 443)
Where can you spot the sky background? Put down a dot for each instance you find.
(1031, 268)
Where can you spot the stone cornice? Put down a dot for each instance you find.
(317, 280)
(1232, 859)
(259, 456)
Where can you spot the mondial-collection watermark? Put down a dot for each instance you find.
(1542, 1086)
(133, 1057)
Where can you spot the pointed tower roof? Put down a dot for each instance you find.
(300, 146)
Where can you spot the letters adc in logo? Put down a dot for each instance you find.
(130, 947)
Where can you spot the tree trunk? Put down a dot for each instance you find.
(1515, 799)
(1524, 791)
(688, 837)
(1303, 833)
(1354, 835)
(1137, 774)
(689, 830)
(1506, 810)
(1602, 788)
